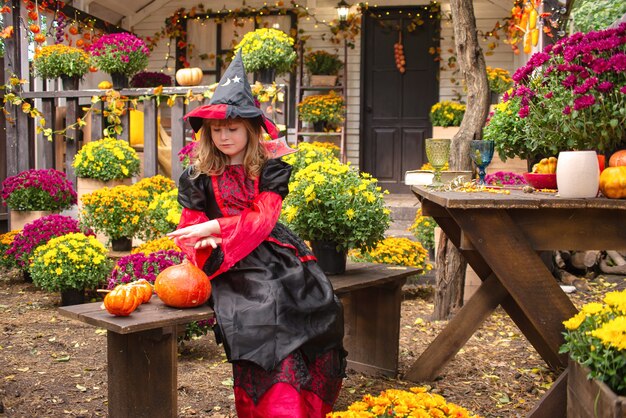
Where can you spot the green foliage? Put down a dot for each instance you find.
(322, 63)
(72, 261)
(508, 132)
(423, 229)
(106, 159)
(596, 337)
(447, 113)
(267, 48)
(330, 201)
(163, 215)
(53, 61)
(592, 15)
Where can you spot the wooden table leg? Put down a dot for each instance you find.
(142, 377)
(542, 305)
(372, 328)
(460, 329)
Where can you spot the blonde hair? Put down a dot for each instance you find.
(208, 159)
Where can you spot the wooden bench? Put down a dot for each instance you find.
(142, 349)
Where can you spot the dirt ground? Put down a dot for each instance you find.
(54, 366)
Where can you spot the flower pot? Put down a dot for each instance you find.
(266, 75)
(329, 259)
(323, 80)
(494, 97)
(445, 132)
(590, 398)
(72, 297)
(319, 126)
(119, 80)
(577, 174)
(122, 244)
(19, 218)
(70, 83)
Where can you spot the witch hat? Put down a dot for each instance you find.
(232, 98)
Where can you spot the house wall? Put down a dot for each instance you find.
(487, 13)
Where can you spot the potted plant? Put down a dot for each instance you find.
(499, 81)
(6, 240)
(140, 265)
(323, 67)
(67, 62)
(267, 49)
(116, 212)
(37, 233)
(145, 79)
(70, 264)
(594, 339)
(446, 117)
(107, 162)
(32, 194)
(322, 109)
(572, 94)
(121, 55)
(335, 208)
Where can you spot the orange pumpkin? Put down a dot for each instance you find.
(122, 300)
(613, 182)
(144, 290)
(618, 158)
(183, 286)
(189, 76)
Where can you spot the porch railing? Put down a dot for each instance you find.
(19, 133)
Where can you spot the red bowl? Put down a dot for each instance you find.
(541, 181)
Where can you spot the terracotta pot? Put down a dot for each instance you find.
(323, 80)
(19, 218)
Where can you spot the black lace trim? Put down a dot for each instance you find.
(322, 376)
(214, 261)
(283, 234)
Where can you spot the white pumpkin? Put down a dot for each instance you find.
(189, 76)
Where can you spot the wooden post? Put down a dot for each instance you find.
(16, 63)
(151, 141)
(178, 136)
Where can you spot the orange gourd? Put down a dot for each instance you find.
(183, 286)
(189, 76)
(144, 289)
(618, 158)
(122, 300)
(613, 182)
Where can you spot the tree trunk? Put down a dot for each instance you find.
(451, 265)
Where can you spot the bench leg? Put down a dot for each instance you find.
(142, 374)
(372, 328)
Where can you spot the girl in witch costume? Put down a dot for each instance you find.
(277, 315)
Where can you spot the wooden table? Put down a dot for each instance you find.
(141, 348)
(141, 355)
(499, 236)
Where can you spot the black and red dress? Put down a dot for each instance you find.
(277, 315)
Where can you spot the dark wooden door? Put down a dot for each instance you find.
(395, 106)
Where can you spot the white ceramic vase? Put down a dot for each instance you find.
(578, 174)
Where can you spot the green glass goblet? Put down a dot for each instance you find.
(437, 152)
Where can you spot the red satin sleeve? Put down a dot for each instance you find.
(240, 234)
(196, 256)
(243, 233)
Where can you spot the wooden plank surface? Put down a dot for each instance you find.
(362, 275)
(516, 199)
(150, 315)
